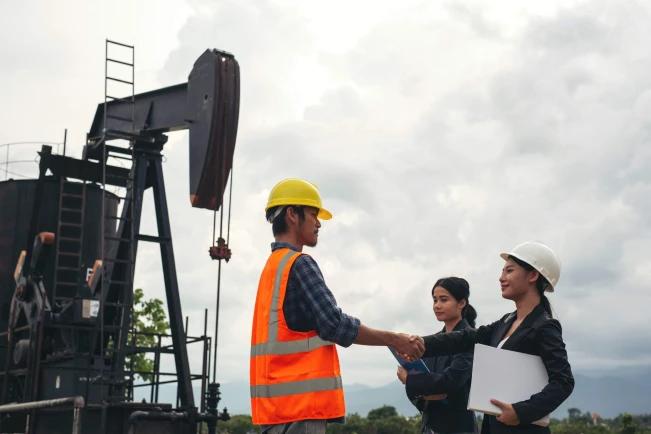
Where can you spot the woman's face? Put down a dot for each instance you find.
(446, 307)
(515, 281)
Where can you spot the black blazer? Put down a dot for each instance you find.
(449, 374)
(538, 334)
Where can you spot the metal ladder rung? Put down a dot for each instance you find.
(121, 157)
(67, 269)
(66, 284)
(117, 149)
(69, 254)
(153, 239)
(117, 134)
(122, 99)
(114, 217)
(77, 240)
(119, 261)
(118, 61)
(74, 225)
(72, 210)
(118, 239)
(108, 41)
(120, 80)
(79, 196)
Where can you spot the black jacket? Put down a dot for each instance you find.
(449, 374)
(539, 335)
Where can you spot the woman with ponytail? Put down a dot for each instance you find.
(530, 270)
(442, 395)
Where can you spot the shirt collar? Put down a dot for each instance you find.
(282, 245)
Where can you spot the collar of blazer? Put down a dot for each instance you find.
(520, 332)
(463, 324)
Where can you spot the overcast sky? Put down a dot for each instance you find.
(439, 133)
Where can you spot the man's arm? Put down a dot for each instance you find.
(460, 341)
(333, 325)
(398, 341)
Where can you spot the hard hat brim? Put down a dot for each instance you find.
(324, 214)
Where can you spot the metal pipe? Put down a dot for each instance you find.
(157, 415)
(76, 401)
(76, 420)
(204, 365)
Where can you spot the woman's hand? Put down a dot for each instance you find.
(402, 375)
(435, 397)
(508, 416)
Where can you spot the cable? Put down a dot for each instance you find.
(8, 172)
(214, 366)
(230, 206)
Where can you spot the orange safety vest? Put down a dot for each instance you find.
(294, 375)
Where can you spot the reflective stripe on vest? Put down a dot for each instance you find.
(296, 387)
(291, 347)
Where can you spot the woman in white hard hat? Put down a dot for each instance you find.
(530, 270)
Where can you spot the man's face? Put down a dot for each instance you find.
(308, 229)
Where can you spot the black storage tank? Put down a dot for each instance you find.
(16, 205)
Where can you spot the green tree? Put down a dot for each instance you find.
(628, 424)
(386, 420)
(573, 414)
(148, 317)
(580, 427)
(383, 412)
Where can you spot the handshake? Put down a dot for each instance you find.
(410, 347)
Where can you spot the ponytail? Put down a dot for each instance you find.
(469, 314)
(541, 285)
(545, 302)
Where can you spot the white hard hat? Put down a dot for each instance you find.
(541, 257)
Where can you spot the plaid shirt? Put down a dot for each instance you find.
(309, 304)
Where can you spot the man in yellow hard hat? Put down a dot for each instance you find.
(295, 377)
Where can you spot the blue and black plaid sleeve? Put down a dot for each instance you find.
(332, 324)
(310, 305)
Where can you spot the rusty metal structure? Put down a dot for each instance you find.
(68, 252)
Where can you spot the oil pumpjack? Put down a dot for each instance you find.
(67, 261)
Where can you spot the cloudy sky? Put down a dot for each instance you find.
(440, 134)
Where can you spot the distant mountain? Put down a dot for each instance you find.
(610, 396)
(606, 396)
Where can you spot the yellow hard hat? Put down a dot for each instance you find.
(295, 191)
